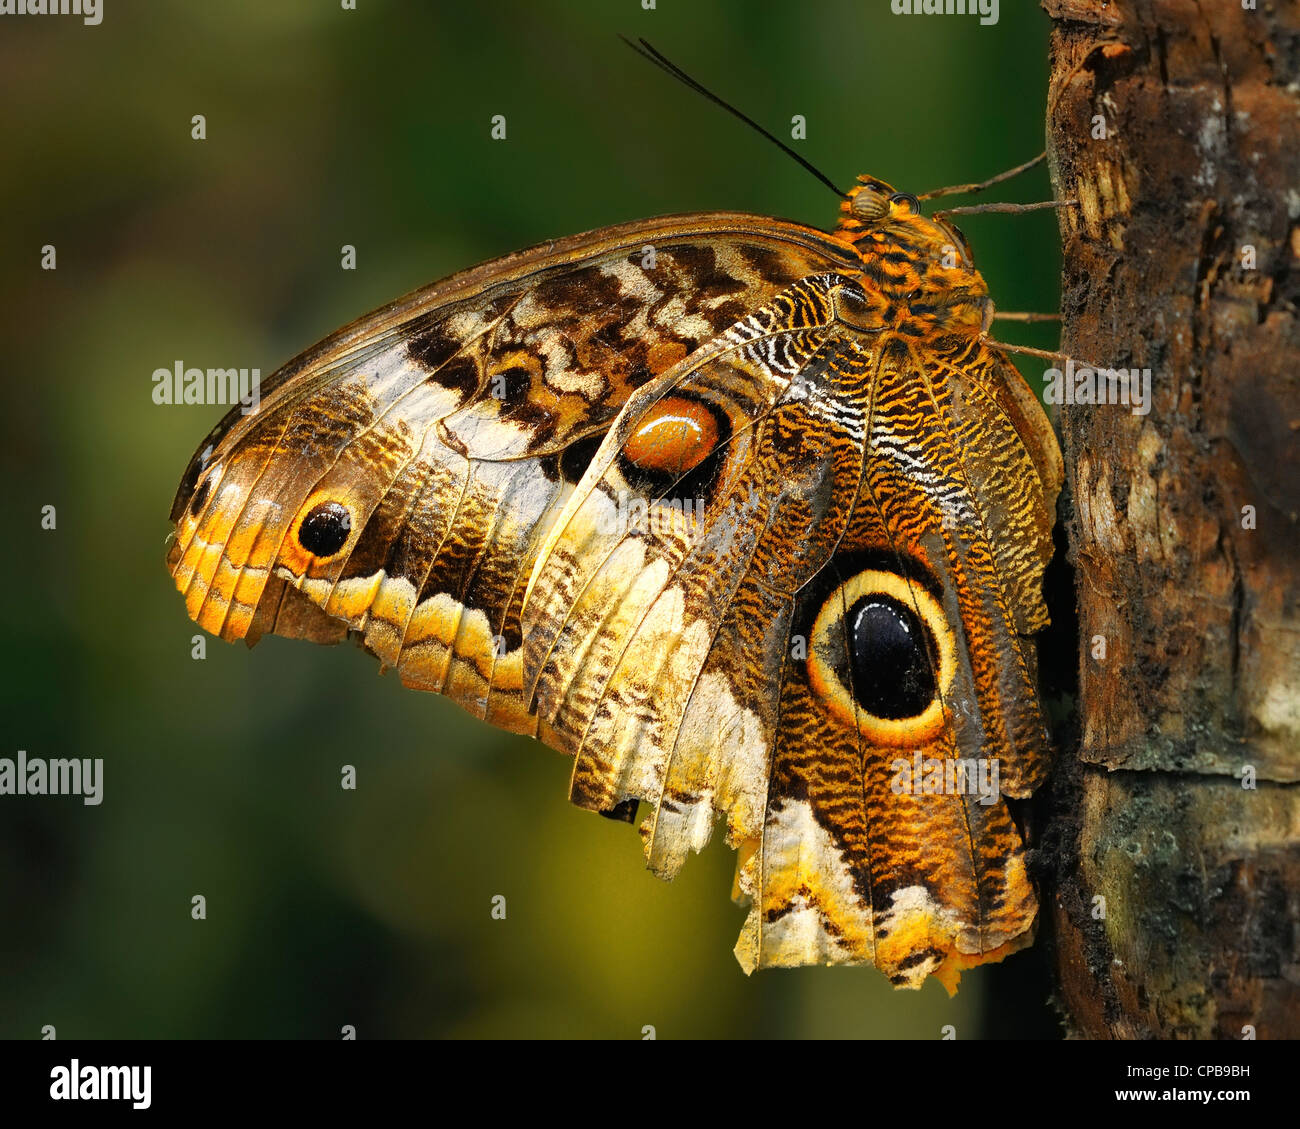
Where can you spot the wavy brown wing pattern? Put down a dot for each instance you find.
(710, 659)
(695, 502)
(398, 477)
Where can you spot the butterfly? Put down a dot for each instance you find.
(748, 518)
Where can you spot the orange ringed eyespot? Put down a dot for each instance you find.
(674, 436)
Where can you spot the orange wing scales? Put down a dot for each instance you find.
(748, 519)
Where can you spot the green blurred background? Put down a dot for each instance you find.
(371, 127)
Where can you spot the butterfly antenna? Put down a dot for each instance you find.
(643, 48)
(979, 186)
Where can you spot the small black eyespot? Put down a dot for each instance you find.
(325, 530)
(891, 656)
(624, 812)
(200, 498)
(576, 457)
(912, 201)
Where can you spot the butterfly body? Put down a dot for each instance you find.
(740, 515)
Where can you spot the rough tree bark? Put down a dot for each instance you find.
(1183, 257)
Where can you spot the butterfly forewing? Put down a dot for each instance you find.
(449, 428)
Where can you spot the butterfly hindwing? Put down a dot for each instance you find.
(869, 851)
(671, 656)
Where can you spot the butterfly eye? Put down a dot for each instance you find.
(869, 203)
(882, 658)
(325, 528)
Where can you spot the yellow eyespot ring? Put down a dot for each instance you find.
(829, 653)
(323, 528)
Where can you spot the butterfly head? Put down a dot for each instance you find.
(913, 256)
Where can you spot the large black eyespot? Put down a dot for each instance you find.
(891, 657)
(324, 531)
(882, 656)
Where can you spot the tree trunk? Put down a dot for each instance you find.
(1175, 838)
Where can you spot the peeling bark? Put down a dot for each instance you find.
(1195, 609)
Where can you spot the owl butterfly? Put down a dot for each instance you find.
(746, 518)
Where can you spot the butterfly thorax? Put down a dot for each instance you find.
(922, 267)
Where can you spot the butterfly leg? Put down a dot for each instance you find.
(1008, 209)
(961, 189)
